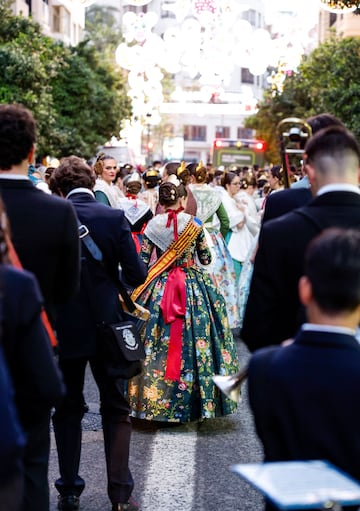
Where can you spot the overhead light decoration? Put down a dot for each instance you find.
(340, 6)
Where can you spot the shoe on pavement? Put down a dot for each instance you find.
(68, 502)
(130, 505)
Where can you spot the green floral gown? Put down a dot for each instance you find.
(207, 344)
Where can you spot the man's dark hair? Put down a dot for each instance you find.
(72, 173)
(335, 142)
(322, 121)
(17, 134)
(332, 264)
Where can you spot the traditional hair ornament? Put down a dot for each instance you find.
(200, 166)
(134, 177)
(181, 169)
(172, 194)
(99, 165)
(173, 179)
(151, 173)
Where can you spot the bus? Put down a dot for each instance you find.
(243, 152)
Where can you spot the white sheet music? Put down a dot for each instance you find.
(301, 484)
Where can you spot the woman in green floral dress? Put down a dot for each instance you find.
(187, 339)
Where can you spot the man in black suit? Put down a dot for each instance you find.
(77, 326)
(44, 234)
(308, 410)
(273, 311)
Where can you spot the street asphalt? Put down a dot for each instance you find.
(176, 468)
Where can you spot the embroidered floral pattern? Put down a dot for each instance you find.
(208, 348)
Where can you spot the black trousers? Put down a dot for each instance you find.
(36, 463)
(116, 423)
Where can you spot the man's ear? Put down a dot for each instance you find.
(31, 154)
(305, 290)
(310, 172)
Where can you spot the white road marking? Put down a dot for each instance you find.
(171, 472)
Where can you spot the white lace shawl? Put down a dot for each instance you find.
(163, 236)
(134, 209)
(108, 190)
(207, 199)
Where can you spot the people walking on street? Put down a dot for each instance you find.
(105, 190)
(44, 234)
(211, 211)
(137, 212)
(187, 339)
(238, 237)
(79, 343)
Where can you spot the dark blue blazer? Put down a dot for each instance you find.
(273, 312)
(305, 402)
(280, 203)
(37, 380)
(44, 233)
(76, 321)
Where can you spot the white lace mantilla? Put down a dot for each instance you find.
(134, 209)
(163, 236)
(207, 199)
(108, 190)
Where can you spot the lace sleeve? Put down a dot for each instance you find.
(202, 249)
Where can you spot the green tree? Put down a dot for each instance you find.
(328, 80)
(77, 96)
(89, 100)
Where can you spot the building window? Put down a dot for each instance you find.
(332, 19)
(245, 132)
(222, 132)
(164, 12)
(56, 19)
(246, 76)
(250, 16)
(195, 133)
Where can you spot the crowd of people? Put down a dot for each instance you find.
(214, 255)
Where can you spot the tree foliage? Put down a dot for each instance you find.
(328, 80)
(78, 98)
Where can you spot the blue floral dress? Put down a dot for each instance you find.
(221, 269)
(207, 344)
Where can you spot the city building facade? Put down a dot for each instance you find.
(63, 20)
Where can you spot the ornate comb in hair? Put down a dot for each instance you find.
(200, 166)
(181, 169)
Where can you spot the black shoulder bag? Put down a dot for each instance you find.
(120, 343)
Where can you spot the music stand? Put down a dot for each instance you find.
(302, 484)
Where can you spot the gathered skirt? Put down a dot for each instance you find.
(207, 348)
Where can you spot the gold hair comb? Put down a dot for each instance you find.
(181, 169)
(200, 166)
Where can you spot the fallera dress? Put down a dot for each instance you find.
(212, 213)
(182, 355)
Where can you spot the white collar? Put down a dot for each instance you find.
(328, 328)
(80, 190)
(338, 187)
(13, 176)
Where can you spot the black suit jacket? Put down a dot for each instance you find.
(44, 233)
(282, 202)
(76, 321)
(304, 399)
(273, 312)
